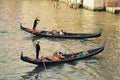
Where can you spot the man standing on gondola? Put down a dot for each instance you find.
(37, 46)
(35, 23)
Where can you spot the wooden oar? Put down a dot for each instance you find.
(44, 65)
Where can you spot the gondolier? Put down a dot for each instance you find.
(37, 49)
(35, 23)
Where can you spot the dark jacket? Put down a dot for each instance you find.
(37, 47)
(35, 21)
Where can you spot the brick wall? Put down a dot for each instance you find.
(112, 3)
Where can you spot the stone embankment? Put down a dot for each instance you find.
(112, 6)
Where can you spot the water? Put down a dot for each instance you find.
(104, 66)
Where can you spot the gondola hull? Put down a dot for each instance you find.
(42, 33)
(72, 57)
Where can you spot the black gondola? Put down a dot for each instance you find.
(67, 57)
(43, 33)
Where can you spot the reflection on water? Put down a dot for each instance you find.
(70, 71)
(34, 73)
(104, 66)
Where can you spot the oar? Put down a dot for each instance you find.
(44, 65)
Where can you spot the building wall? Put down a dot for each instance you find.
(72, 1)
(113, 6)
(64, 0)
(88, 3)
(112, 3)
(99, 3)
(75, 1)
(93, 4)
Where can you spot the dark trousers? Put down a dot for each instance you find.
(37, 54)
(34, 27)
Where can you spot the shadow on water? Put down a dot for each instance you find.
(34, 72)
(34, 38)
(2, 31)
(38, 70)
(91, 58)
(86, 60)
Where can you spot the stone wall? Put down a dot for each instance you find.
(93, 4)
(112, 3)
(64, 1)
(96, 5)
(112, 6)
(73, 3)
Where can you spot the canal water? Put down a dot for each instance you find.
(57, 15)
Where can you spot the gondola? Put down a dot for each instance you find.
(43, 33)
(67, 57)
